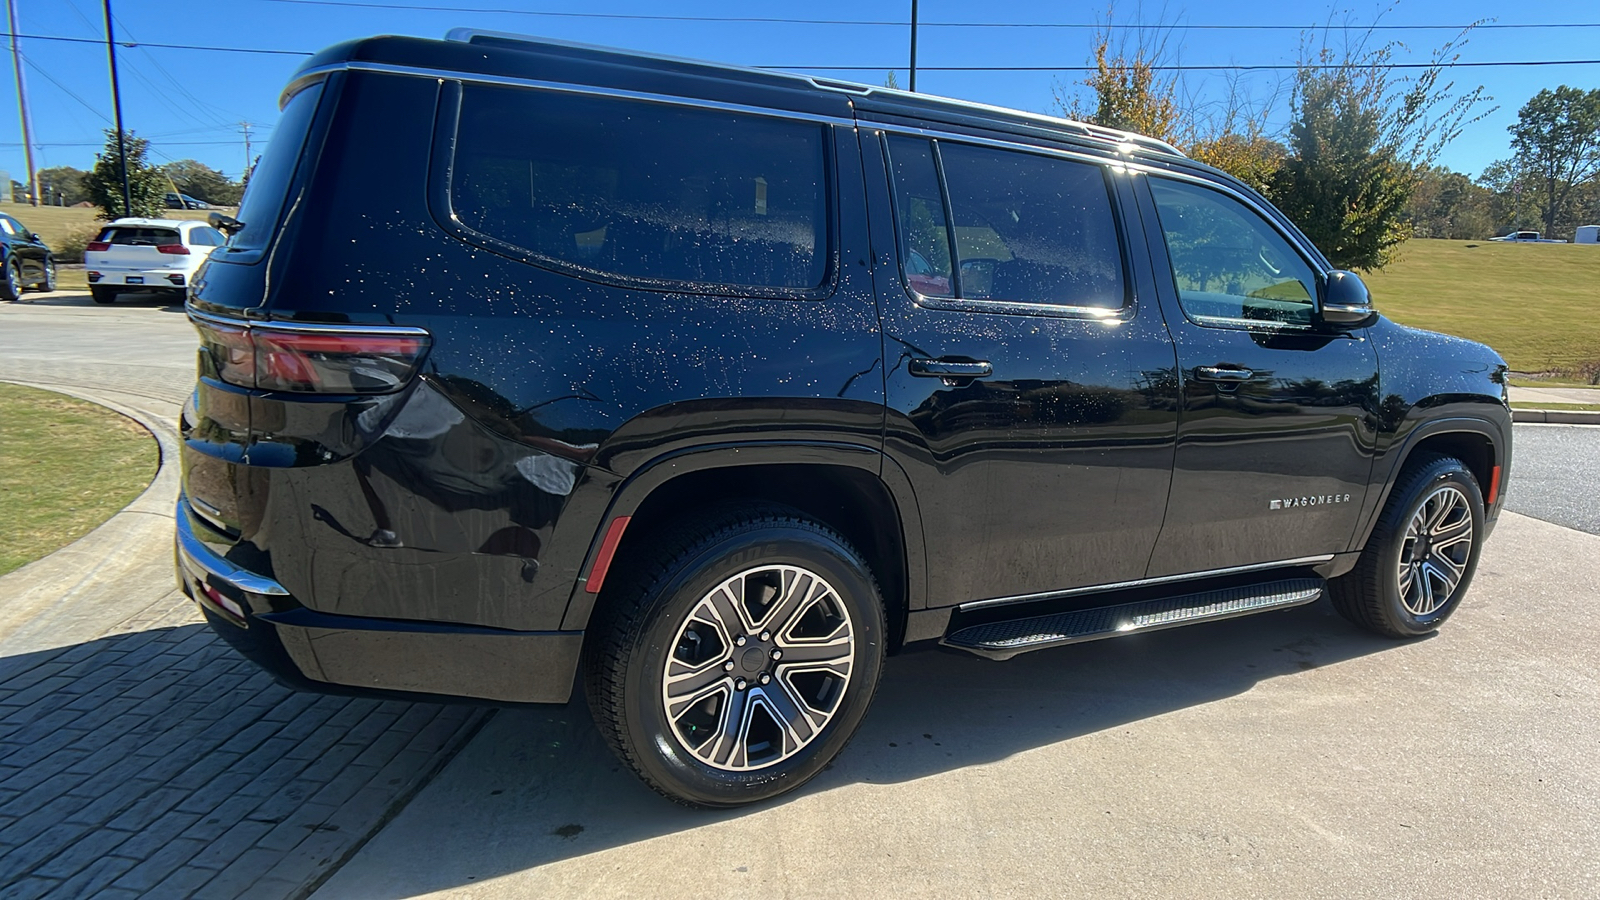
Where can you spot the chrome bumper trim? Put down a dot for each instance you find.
(193, 551)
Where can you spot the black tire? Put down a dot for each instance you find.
(664, 615)
(103, 293)
(48, 282)
(1372, 596)
(11, 281)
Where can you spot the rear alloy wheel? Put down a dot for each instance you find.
(1422, 553)
(740, 660)
(103, 293)
(11, 281)
(48, 282)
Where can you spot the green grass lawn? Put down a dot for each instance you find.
(1537, 304)
(65, 467)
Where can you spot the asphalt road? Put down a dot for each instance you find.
(1555, 475)
(1280, 755)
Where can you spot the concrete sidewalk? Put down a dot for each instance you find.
(139, 755)
(1555, 396)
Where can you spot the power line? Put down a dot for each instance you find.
(895, 23)
(1285, 67)
(133, 44)
(1232, 67)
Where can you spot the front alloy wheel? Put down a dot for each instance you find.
(1435, 551)
(1419, 559)
(736, 654)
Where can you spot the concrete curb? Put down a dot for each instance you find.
(1556, 416)
(39, 612)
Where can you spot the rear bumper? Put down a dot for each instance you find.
(352, 654)
(156, 277)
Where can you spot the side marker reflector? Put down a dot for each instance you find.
(608, 549)
(1494, 486)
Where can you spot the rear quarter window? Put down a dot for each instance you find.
(643, 193)
(262, 204)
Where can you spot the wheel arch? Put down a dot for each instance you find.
(1483, 446)
(853, 489)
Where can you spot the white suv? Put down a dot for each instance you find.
(147, 255)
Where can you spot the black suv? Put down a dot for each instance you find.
(528, 362)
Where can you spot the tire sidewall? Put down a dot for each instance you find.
(1436, 475)
(658, 751)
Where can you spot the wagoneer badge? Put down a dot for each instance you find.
(1314, 500)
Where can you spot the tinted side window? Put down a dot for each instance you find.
(642, 191)
(1229, 264)
(919, 206)
(1033, 229)
(269, 180)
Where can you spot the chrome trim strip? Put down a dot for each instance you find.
(1142, 582)
(307, 327)
(201, 557)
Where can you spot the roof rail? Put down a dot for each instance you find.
(469, 35)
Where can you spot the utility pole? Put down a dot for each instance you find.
(913, 45)
(246, 127)
(116, 103)
(22, 105)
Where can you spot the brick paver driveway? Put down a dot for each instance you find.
(138, 753)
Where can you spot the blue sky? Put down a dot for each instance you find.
(190, 102)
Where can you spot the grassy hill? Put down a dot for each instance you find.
(1537, 304)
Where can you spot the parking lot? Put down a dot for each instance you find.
(1284, 754)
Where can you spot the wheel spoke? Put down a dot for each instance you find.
(799, 591)
(685, 685)
(1453, 535)
(838, 650)
(729, 749)
(723, 609)
(796, 720)
(1448, 570)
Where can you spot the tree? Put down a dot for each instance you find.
(892, 82)
(1130, 96)
(61, 186)
(147, 186)
(203, 182)
(1447, 204)
(1359, 135)
(1557, 140)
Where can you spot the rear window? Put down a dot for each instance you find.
(262, 203)
(1027, 228)
(139, 236)
(644, 192)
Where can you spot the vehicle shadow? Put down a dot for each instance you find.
(546, 777)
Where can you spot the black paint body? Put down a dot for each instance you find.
(439, 539)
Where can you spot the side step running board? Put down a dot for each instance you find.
(1005, 639)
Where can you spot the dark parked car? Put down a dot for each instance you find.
(708, 388)
(25, 260)
(184, 201)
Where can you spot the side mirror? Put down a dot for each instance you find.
(225, 223)
(1345, 301)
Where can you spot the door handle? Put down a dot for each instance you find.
(949, 369)
(1228, 374)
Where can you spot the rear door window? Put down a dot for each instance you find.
(645, 193)
(1024, 227)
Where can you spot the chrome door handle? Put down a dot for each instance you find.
(1220, 373)
(949, 368)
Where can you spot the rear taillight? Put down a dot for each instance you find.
(325, 359)
(97, 246)
(174, 249)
